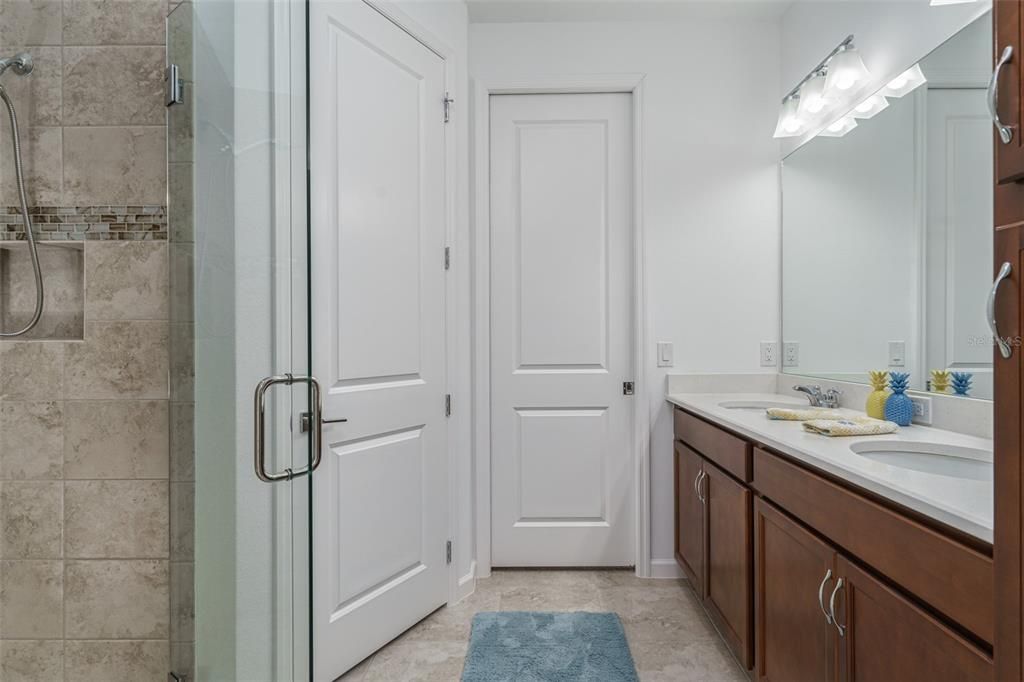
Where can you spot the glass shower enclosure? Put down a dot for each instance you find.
(239, 313)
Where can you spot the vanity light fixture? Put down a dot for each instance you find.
(790, 122)
(846, 69)
(840, 127)
(908, 81)
(870, 107)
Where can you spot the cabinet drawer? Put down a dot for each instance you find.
(953, 578)
(721, 447)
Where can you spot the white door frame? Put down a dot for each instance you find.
(631, 84)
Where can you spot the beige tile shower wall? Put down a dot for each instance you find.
(91, 114)
(86, 499)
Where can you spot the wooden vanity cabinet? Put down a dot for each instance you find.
(729, 560)
(1008, 20)
(714, 533)
(689, 516)
(795, 640)
(887, 637)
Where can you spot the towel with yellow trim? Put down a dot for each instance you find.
(795, 414)
(850, 426)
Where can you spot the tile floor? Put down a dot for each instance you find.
(670, 637)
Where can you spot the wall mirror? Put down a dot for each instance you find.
(887, 231)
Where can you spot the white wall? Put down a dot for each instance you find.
(891, 35)
(447, 20)
(710, 198)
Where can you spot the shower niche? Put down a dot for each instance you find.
(63, 269)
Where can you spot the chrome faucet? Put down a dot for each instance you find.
(819, 398)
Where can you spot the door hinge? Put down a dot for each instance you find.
(627, 388)
(448, 405)
(447, 258)
(448, 101)
(174, 87)
(448, 552)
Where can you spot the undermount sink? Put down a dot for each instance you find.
(757, 404)
(930, 458)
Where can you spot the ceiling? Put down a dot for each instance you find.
(505, 11)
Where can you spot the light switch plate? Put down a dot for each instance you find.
(791, 354)
(769, 353)
(665, 354)
(897, 353)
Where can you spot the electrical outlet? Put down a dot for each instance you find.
(790, 354)
(769, 353)
(922, 409)
(897, 353)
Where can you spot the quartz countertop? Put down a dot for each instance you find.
(961, 503)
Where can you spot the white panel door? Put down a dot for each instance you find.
(959, 210)
(561, 329)
(377, 174)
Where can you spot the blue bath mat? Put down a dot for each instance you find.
(532, 646)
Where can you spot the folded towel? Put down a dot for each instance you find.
(800, 414)
(850, 426)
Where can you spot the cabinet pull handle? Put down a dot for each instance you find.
(700, 487)
(1005, 131)
(832, 608)
(821, 596)
(696, 480)
(993, 325)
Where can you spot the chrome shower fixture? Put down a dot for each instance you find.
(21, 63)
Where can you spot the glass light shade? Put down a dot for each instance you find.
(870, 107)
(840, 127)
(846, 70)
(906, 82)
(812, 96)
(791, 123)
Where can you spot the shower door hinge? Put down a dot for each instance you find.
(627, 388)
(448, 552)
(448, 405)
(175, 93)
(448, 101)
(447, 258)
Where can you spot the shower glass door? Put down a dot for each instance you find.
(239, 240)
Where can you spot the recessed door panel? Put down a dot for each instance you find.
(563, 321)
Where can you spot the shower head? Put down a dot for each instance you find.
(21, 62)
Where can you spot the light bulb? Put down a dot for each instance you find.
(906, 82)
(845, 70)
(840, 127)
(870, 107)
(812, 95)
(791, 123)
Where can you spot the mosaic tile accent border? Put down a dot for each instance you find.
(78, 223)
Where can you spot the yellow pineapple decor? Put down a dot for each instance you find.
(876, 399)
(940, 381)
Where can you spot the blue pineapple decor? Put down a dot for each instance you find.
(961, 382)
(898, 407)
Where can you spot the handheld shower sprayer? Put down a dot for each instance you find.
(22, 65)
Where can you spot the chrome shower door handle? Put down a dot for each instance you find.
(821, 596)
(832, 608)
(1005, 349)
(259, 422)
(1005, 131)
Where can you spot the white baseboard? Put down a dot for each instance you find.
(665, 568)
(467, 583)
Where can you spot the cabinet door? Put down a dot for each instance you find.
(795, 640)
(884, 636)
(1008, 33)
(689, 517)
(729, 560)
